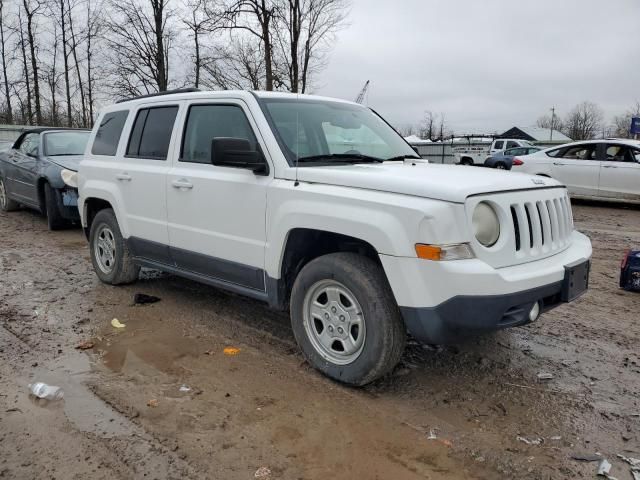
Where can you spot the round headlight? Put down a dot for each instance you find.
(69, 177)
(486, 225)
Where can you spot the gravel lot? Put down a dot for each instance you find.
(124, 415)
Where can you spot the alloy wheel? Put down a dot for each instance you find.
(334, 322)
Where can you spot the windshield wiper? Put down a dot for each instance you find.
(403, 157)
(356, 157)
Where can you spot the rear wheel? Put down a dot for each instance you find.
(55, 220)
(109, 253)
(466, 161)
(501, 166)
(6, 204)
(345, 318)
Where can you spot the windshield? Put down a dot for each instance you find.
(65, 143)
(328, 132)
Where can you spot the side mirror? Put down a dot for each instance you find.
(237, 153)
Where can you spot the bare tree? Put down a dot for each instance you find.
(27, 113)
(140, 39)
(202, 21)
(546, 121)
(429, 125)
(255, 17)
(304, 30)
(93, 29)
(31, 10)
(73, 38)
(584, 121)
(51, 75)
(239, 65)
(5, 74)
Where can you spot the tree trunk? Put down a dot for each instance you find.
(4, 66)
(25, 67)
(265, 22)
(74, 51)
(197, 45)
(34, 61)
(65, 58)
(89, 77)
(294, 33)
(158, 17)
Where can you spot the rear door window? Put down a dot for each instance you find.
(498, 145)
(619, 153)
(512, 144)
(151, 133)
(109, 132)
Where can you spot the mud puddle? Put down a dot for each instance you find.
(254, 411)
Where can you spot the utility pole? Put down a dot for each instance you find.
(553, 122)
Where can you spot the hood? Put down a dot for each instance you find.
(70, 162)
(452, 183)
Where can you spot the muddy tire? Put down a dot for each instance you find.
(345, 318)
(109, 253)
(6, 204)
(55, 220)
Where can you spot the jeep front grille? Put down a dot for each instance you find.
(534, 224)
(542, 225)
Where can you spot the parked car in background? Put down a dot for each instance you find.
(597, 169)
(476, 154)
(504, 160)
(39, 172)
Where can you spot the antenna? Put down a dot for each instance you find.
(297, 152)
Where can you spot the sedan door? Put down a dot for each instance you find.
(216, 214)
(578, 167)
(21, 170)
(620, 173)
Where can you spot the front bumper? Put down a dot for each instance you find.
(443, 302)
(67, 200)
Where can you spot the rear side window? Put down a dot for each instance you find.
(498, 145)
(511, 144)
(206, 122)
(151, 133)
(108, 134)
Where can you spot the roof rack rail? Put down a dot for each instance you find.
(159, 94)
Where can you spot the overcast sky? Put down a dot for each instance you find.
(487, 65)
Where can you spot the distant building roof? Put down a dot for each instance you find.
(536, 134)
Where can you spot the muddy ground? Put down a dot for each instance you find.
(124, 414)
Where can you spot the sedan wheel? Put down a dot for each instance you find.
(6, 204)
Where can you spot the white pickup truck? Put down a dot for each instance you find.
(476, 153)
(318, 207)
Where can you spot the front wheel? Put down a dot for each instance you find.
(345, 318)
(110, 256)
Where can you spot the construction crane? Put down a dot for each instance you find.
(363, 92)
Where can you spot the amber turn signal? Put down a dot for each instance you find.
(428, 252)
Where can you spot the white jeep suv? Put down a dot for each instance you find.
(319, 207)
